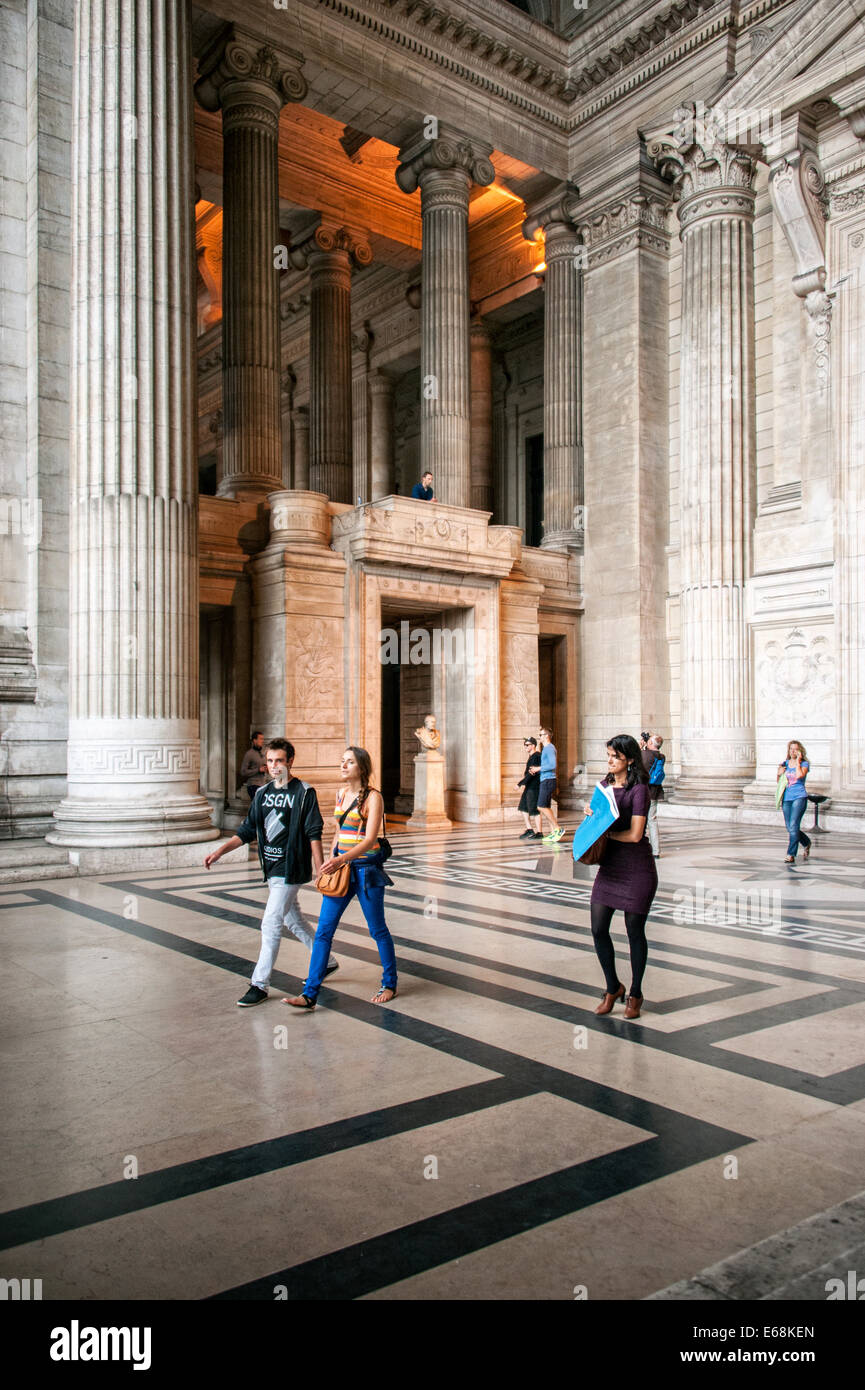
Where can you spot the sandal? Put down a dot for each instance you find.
(385, 989)
(301, 1002)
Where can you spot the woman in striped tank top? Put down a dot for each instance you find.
(359, 815)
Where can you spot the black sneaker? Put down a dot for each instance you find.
(537, 834)
(330, 969)
(253, 995)
(527, 835)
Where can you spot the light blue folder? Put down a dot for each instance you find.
(604, 813)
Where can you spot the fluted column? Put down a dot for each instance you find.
(251, 82)
(716, 213)
(563, 439)
(300, 472)
(328, 252)
(133, 687)
(381, 434)
(444, 170)
(482, 417)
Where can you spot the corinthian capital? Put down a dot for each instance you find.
(697, 158)
(449, 150)
(327, 238)
(238, 65)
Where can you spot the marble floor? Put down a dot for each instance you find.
(486, 1135)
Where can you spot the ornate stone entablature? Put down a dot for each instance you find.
(636, 219)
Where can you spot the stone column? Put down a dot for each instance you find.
(133, 688)
(328, 252)
(716, 212)
(300, 474)
(251, 82)
(360, 422)
(482, 417)
(563, 437)
(444, 170)
(381, 434)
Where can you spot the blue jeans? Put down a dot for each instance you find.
(794, 810)
(368, 882)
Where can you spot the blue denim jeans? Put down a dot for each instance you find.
(793, 813)
(368, 882)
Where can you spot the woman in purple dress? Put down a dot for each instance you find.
(627, 877)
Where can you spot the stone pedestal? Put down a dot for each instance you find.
(251, 82)
(429, 792)
(133, 728)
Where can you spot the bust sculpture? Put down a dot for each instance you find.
(428, 735)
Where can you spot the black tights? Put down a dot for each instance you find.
(635, 923)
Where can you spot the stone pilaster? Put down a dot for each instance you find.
(328, 252)
(444, 170)
(716, 211)
(250, 82)
(381, 434)
(482, 417)
(563, 438)
(360, 416)
(133, 726)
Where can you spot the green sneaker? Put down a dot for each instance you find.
(557, 834)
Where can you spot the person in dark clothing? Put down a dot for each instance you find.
(286, 821)
(651, 752)
(530, 783)
(423, 491)
(627, 878)
(252, 769)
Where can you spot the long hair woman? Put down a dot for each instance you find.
(627, 879)
(795, 802)
(359, 816)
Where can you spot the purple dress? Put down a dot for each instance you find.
(627, 877)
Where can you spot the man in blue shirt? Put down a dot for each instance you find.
(423, 490)
(548, 786)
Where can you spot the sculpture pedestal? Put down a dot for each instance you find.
(429, 793)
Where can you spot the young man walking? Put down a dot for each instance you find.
(286, 821)
(549, 760)
(652, 758)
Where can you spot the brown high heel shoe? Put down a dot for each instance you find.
(633, 1004)
(606, 1004)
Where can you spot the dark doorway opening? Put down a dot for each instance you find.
(534, 489)
(390, 735)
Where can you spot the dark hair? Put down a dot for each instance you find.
(281, 743)
(258, 734)
(629, 748)
(364, 767)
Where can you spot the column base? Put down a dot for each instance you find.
(562, 540)
(701, 789)
(81, 824)
(428, 820)
(150, 857)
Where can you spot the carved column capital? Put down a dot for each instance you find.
(710, 175)
(247, 77)
(327, 240)
(451, 153)
(850, 101)
(553, 216)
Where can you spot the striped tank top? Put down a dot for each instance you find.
(353, 828)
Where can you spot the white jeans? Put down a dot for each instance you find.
(652, 828)
(281, 911)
